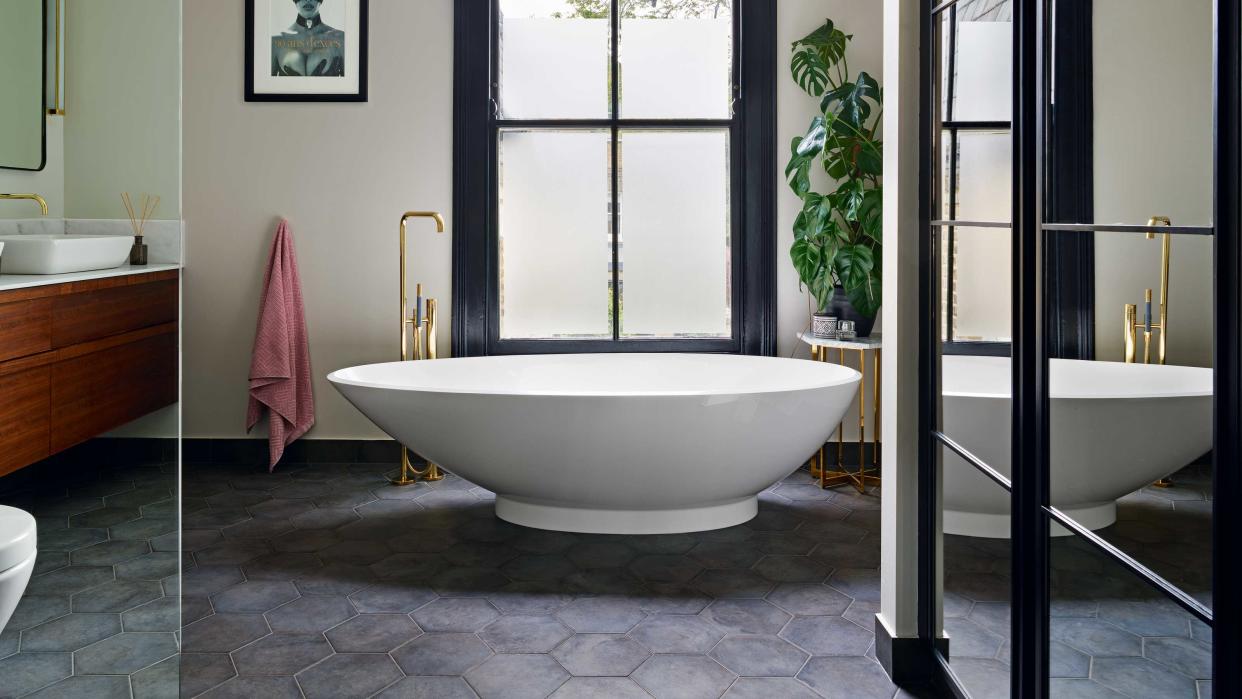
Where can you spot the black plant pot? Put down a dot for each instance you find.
(841, 307)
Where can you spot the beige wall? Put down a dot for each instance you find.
(48, 182)
(1153, 156)
(123, 96)
(342, 174)
(796, 19)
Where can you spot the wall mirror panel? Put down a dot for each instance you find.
(1131, 84)
(90, 353)
(22, 59)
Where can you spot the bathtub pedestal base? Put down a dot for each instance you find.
(561, 518)
(994, 526)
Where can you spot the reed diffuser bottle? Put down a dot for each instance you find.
(138, 253)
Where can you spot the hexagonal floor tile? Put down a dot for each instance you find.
(1141, 677)
(124, 653)
(27, 672)
(602, 655)
(746, 616)
(828, 635)
(602, 614)
(393, 597)
(441, 654)
(313, 614)
(348, 674)
(538, 567)
(733, 582)
(524, 634)
(254, 596)
(281, 654)
(163, 614)
(429, 688)
(70, 632)
(108, 553)
(221, 633)
(521, 676)
(689, 676)
(767, 687)
(665, 568)
(117, 596)
(677, 633)
(529, 598)
(759, 656)
(1095, 637)
(460, 614)
(809, 599)
(725, 554)
(849, 678)
(373, 633)
(600, 554)
(792, 569)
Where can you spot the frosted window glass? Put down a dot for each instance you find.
(555, 235)
(982, 285)
(552, 67)
(675, 233)
(677, 67)
(983, 88)
(983, 175)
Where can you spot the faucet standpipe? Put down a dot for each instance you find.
(423, 343)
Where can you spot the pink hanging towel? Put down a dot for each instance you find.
(280, 370)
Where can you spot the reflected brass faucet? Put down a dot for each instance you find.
(1132, 321)
(32, 197)
(422, 348)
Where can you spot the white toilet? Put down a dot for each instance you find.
(17, 558)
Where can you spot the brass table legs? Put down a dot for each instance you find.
(864, 475)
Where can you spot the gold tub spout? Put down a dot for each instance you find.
(408, 474)
(31, 197)
(1161, 321)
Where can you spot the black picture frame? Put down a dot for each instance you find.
(363, 51)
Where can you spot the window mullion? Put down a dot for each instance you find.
(615, 115)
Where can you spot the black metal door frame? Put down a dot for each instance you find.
(1032, 514)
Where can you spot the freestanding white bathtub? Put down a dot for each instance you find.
(610, 443)
(1114, 428)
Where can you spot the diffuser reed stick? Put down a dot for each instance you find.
(138, 253)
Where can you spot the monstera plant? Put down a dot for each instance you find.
(837, 235)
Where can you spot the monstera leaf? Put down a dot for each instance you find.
(852, 101)
(814, 57)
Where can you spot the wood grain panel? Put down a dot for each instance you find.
(90, 315)
(99, 391)
(24, 417)
(25, 328)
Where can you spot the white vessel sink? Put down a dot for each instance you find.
(62, 254)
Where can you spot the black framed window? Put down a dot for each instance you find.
(613, 185)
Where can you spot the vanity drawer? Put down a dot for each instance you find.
(90, 315)
(102, 390)
(25, 328)
(24, 415)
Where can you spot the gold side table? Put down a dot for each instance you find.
(822, 350)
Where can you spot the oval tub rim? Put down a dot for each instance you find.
(846, 376)
(1085, 397)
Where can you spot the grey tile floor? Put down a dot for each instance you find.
(100, 616)
(1112, 636)
(323, 581)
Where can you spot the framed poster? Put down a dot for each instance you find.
(306, 50)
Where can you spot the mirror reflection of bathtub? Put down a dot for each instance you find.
(1114, 428)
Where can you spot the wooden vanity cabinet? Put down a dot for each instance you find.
(81, 358)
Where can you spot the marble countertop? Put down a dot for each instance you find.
(875, 341)
(22, 281)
